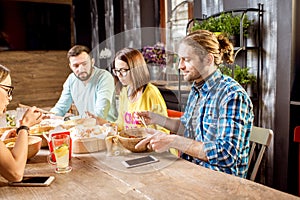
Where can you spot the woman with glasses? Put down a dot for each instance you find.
(12, 163)
(137, 93)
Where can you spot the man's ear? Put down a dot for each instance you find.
(93, 61)
(209, 59)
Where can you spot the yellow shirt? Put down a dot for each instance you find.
(151, 100)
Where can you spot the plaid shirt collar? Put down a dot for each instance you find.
(208, 83)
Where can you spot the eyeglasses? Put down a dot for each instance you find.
(9, 89)
(123, 72)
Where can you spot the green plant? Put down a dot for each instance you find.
(226, 23)
(240, 74)
(243, 76)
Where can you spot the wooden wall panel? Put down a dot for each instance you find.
(37, 76)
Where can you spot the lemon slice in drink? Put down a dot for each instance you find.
(61, 150)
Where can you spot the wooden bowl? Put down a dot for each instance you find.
(34, 145)
(130, 137)
(38, 131)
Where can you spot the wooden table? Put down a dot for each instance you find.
(96, 176)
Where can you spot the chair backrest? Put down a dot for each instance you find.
(297, 134)
(174, 113)
(263, 137)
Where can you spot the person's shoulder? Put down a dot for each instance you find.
(102, 74)
(123, 92)
(151, 87)
(152, 90)
(71, 78)
(232, 89)
(101, 71)
(231, 84)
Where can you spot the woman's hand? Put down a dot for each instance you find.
(149, 117)
(31, 117)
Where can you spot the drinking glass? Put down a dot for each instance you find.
(61, 148)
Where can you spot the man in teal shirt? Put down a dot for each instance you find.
(88, 87)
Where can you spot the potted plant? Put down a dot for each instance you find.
(155, 57)
(241, 75)
(155, 54)
(226, 23)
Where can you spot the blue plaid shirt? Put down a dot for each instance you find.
(223, 113)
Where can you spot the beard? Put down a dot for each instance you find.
(83, 76)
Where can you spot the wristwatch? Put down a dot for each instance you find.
(22, 127)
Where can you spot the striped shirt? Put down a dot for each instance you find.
(223, 113)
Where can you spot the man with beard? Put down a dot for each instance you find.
(91, 89)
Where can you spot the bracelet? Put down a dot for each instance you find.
(22, 127)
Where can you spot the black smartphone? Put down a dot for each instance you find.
(139, 161)
(40, 181)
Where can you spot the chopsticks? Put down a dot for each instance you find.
(143, 121)
(39, 109)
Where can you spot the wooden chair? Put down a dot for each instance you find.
(297, 139)
(262, 137)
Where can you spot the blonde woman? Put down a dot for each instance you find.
(12, 163)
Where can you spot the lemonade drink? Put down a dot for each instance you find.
(62, 156)
(61, 151)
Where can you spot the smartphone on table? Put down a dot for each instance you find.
(34, 181)
(139, 161)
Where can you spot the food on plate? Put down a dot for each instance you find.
(10, 144)
(39, 130)
(130, 137)
(87, 139)
(52, 122)
(81, 131)
(82, 121)
(10, 120)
